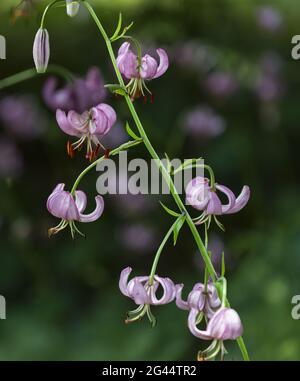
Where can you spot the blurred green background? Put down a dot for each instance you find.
(230, 61)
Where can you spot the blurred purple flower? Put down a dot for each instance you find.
(138, 237)
(269, 85)
(21, 116)
(138, 73)
(221, 84)
(203, 122)
(11, 161)
(81, 95)
(194, 55)
(269, 18)
(63, 205)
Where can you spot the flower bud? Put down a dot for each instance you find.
(72, 8)
(41, 50)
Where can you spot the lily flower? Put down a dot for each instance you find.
(143, 292)
(202, 298)
(88, 126)
(72, 7)
(41, 50)
(69, 208)
(224, 325)
(201, 196)
(140, 69)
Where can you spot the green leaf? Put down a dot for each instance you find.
(169, 211)
(177, 228)
(117, 31)
(131, 133)
(116, 89)
(223, 265)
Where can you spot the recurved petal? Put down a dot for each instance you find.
(139, 293)
(104, 117)
(80, 200)
(180, 303)
(148, 67)
(204, 335)
(96, 213)
(127, 61)
(64, 123)
(124, 280)
(241, 201)
(230, 197)
(197, 193)
(196, 299)
(163, 63)
(168, 288)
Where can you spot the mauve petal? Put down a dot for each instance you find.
(64, 124)
(169, 291)
(148, 67)
(62, 205)
(214, 205)
(80, 200)
(124, 280)
(96, 213)
(104, 117)
(225, 325)
(213, 297)
(241, 201)
(197, 193)
(180, 303)
(163, 63)
(127, 61)
(230, 196)
(139, 294)
(196, 299)
(204, 335)
(78, 121)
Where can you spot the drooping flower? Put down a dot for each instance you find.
(69, 208)
(142, 290)
(88, 126)
(72, 7)
(203, 122)
(41, 50)
(21, 116)
(202, 298)
(225, 324)
(201, 196)
(81, 95)
(140, 69)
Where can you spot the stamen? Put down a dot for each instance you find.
(70, 150)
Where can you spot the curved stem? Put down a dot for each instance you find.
(160, 249)
(31, 73)
(115, 151)
(47, 9)
(155, 156)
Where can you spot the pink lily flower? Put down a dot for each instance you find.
(143, 293)
(69, 208)
(88, 126)
(140, 69)
(201, 196)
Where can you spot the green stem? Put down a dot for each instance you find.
(159, 251)
(115, 151)
(31, 73)
(155, 156)
(50, 5)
